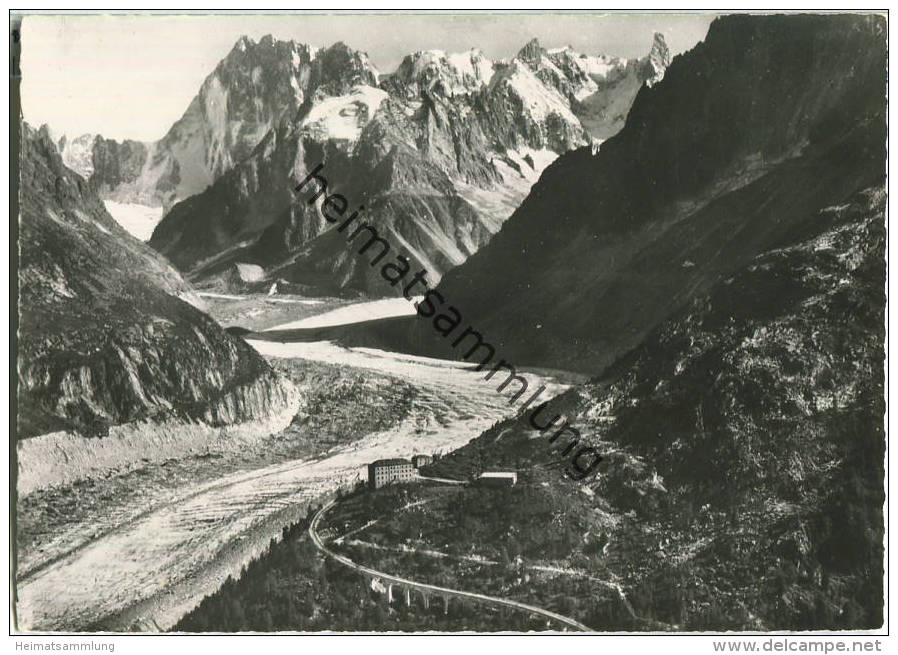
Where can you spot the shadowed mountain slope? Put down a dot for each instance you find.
(741, 485)
(735, 152)
(104, 338)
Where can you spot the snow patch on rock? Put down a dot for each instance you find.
(599, 65)
(472, 63)
(77, 154)
(539, 100)
(355, 313)
(344, 117)
(250, 272)
(138, 220)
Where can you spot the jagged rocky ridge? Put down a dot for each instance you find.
(735, 152)
(743, 443)
(104, 339)
(439, 152)
(600, 89)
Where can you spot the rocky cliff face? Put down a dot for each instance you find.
(105, 337)
(250, 90)
(735, 152)
(729, 270)
(439, 152)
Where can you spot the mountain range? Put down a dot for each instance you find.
(719, 268)
(238, 103)
(441, 151)
(750, 135)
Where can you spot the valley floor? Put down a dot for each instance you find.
(138, 549)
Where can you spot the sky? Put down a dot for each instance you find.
(132, 76)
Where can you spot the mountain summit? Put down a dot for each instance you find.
(250, 90)
(440, 152)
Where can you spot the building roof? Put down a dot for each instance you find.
(499, 474)
(390, 462)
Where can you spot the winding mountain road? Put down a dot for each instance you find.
(429, 588)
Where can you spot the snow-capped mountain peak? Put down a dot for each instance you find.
(443, 73)
(256, 86)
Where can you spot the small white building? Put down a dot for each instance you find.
(385, 471)
(498, 478)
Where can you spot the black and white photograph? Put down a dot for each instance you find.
(457, 322)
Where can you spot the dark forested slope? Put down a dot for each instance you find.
(742, 442)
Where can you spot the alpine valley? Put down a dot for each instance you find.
(228, 420)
